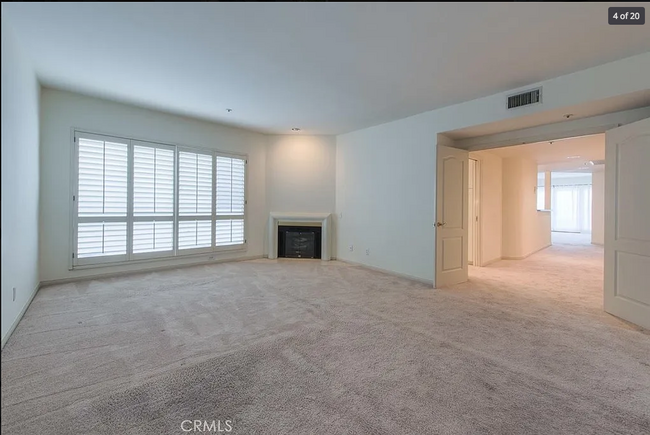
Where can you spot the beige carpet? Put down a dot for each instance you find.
(312, 348)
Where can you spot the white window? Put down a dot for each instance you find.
(101, 199)
(571, 208)
(153, 200)
(230, 200)
(135, 200)
(195, 182)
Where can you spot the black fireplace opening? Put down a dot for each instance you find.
(299, 242)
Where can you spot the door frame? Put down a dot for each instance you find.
(546, 132)
(552, 131)
(477, 260)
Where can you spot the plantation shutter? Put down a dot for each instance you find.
(231, 201)
(136, 200)
(101, 198)
(194, 200)
(153, 199)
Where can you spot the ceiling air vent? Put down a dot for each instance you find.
(525, 98)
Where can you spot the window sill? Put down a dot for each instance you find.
(210, 255)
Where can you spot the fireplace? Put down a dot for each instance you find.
(299, 241)
(320, 220)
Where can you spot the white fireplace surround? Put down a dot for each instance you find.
(324, 219)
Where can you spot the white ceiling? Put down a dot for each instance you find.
(327, 68)
(571, 154)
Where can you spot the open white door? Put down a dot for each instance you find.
(627, 223)
(451, 215)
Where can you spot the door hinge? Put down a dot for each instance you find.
(74, 197)
(73, 255)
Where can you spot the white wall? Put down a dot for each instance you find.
(537, 225)
(301, 174)
(60, 111)
(385, 193)
(598, 207)
(386, 175)
(513, 217)
(20, 149)
(491, 205)
(525, 230)
(540, 237)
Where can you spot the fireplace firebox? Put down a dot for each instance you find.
(299, 242)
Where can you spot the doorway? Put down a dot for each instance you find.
(526, 230)
(536, 191)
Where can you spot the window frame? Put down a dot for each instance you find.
(134, 258)
(104, 259)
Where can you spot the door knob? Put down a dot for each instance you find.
(439, 224)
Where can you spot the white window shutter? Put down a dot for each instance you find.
(153, 199)
(103, 170)
(153, 236)
(98, 239)
(194, 200)
(153, 181)
(231, 200)
(102, 186)
(201, 192)
(194, 234)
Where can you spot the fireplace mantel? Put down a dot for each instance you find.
(324, 219)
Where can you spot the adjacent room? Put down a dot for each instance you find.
(305, 218)
(549, 198)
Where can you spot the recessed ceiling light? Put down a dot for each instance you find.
(228, 110)
(295, 129)
(573, 157)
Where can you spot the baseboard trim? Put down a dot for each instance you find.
(528, 255)
(494, 260)
(389, 272)
(146, 270)
(20, 316)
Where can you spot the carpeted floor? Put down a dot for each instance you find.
(311, 348)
